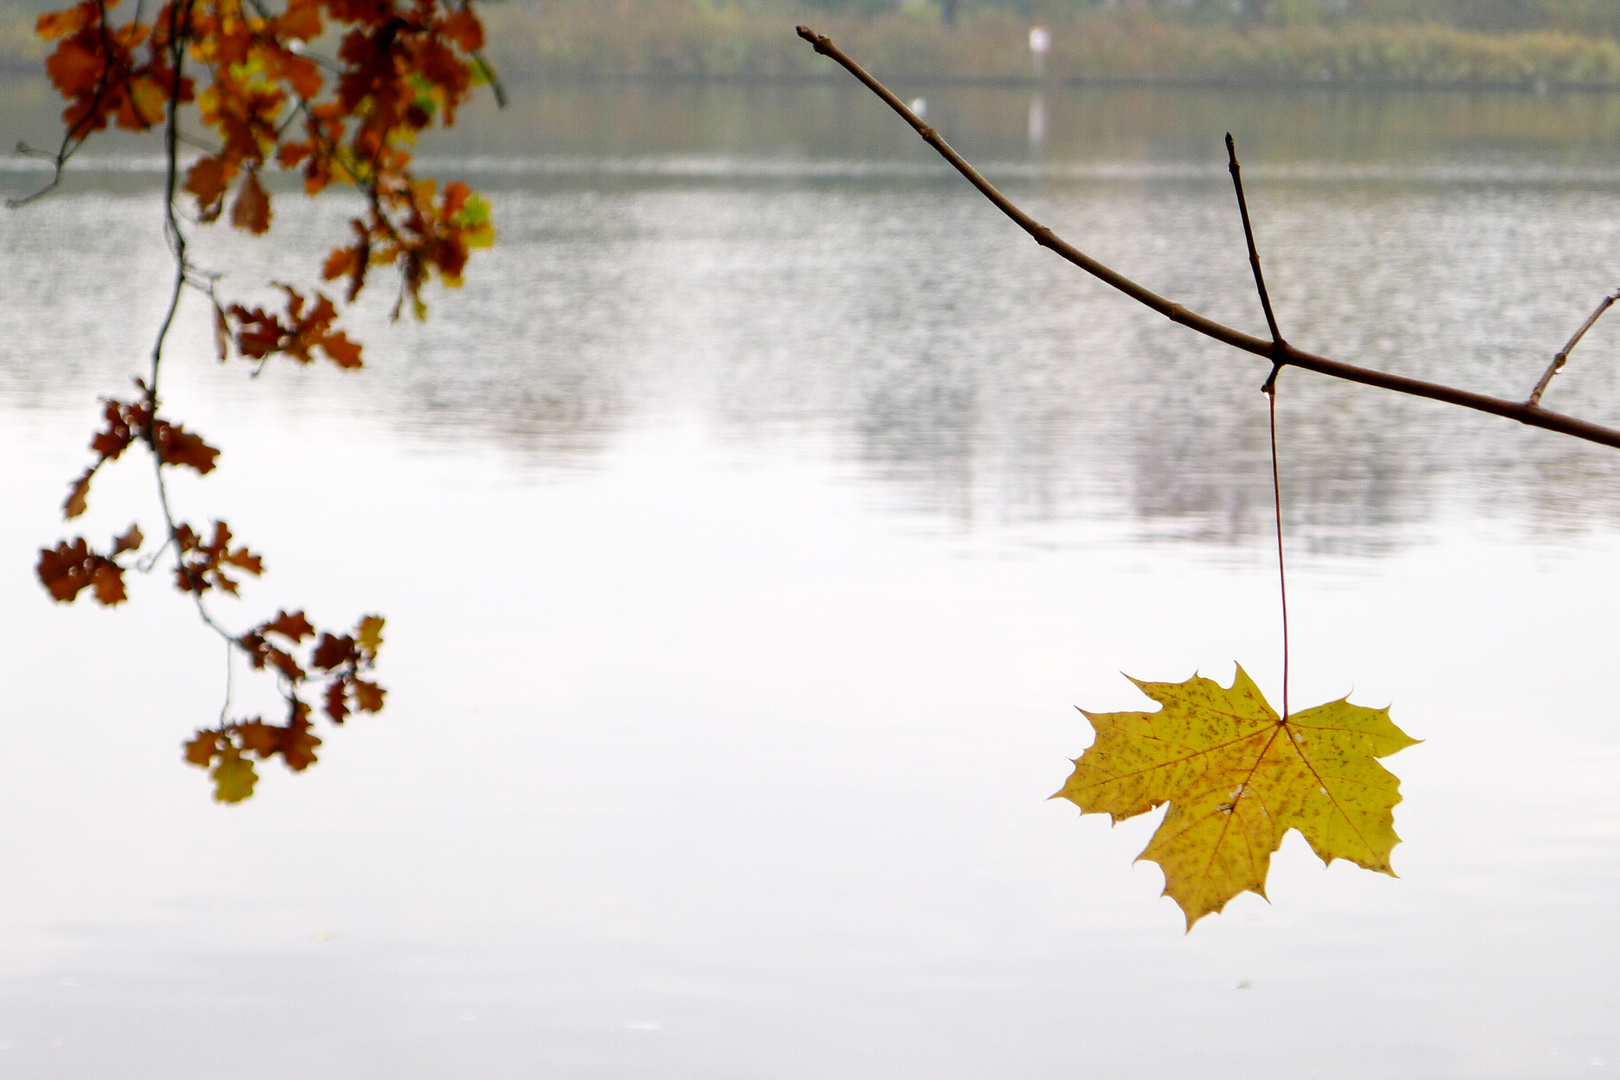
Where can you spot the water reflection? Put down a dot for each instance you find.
(701, 764)
(969, 374)
(1039, 120)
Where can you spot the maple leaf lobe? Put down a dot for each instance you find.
(1237, 777)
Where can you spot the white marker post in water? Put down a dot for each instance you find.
(1040, 43)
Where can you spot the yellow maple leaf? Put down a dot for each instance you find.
(1237, 778)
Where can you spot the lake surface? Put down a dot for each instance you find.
(748, 528)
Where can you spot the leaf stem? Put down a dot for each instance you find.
(1276, 499)
(1270, 390)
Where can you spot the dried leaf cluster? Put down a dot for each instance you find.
(334, 92)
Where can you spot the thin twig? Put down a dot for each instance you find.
(179, 41)
(1254, 253)
(1281, 355)
(179, 16)
(74, 137)
(1269, 388)
(1557, 364)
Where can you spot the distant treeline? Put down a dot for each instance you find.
(1584, 17)
(1527, 44)
(1165, 42)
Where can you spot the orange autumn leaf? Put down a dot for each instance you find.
(349, 116)
(295, 743)
(302, 75)
(208, 179)
(289, 154)
(251, 210)
(200, 750)
(124, 422)
(294, 627)
(340, 263)
(334, 651)
(144, 104)
(62, 569)
(130, 541)
(337, 706)
(107, 579)
(177, 446)
(464, 28)
(128, 422)
(368, 695)
(71, 567)
(56, 24)
(78, 499)
(298, 747)
(75, 68)
(344, 353)
(368, 634)
(262, 654)
(203, 565)
(306, 327)
(301, 21)
(259, 738)
(229, 747)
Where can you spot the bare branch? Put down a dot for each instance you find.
(1281, 354)
(1557, 364)
(1248, 235)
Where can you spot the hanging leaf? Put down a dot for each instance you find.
(208, 179)
(294, 627)
(251, 210)
(78, 499)
(177, 446)
(387, 70)
(200, 750)
(204, 565)
(368, 635)
(233, 777)
(71, 567)
(1237, 777)
(130, 541)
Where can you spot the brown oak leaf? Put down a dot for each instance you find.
(251, 210)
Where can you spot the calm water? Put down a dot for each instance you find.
(749, 526)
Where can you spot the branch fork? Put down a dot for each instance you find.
(1562, 356)
(1276, 349)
